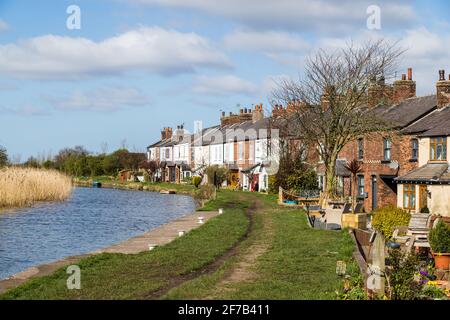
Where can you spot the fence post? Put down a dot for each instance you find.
(280, 195)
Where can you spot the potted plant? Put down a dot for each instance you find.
(439, 239)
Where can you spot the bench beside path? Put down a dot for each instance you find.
(158, 236)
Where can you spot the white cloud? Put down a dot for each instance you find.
(3, 25)
(223, 85)
(318, 15)
(153, 50)
(101, 99)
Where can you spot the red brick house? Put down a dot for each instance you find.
(384, 157)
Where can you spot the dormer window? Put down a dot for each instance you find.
(438, 149)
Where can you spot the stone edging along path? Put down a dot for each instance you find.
(155, 237)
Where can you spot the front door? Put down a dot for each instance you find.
(374, 193)
(423, 194)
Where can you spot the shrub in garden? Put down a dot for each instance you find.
(439, 238)
(388, 218)
(400, 276)
(196, 180)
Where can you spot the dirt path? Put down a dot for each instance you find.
(243, 270)
(210, 268)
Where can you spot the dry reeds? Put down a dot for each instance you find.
(20, 187)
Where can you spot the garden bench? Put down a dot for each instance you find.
(416, 234)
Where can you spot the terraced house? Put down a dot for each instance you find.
(407, 167)
(240, 143)
(428, 186)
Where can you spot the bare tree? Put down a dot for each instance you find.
(330, 101)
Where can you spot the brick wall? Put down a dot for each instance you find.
(374, 166)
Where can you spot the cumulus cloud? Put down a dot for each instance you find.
(223, 85)
(153, 50)
(318, 15)
(100, 99)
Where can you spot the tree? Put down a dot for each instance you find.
(150, 167)
(354, 167)
(294, 173)
(216, 175)
(32, 162)
(3, 157)
(330, 102)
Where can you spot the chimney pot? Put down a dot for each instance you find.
(409, 73)
(441, 75)
(403, 76)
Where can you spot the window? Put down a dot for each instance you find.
(438, 149)
(167, 153)
(251, 146)
(414, 149)
(361, 186)
(387, 149)
(321, 182)
(409, 196)
(241, 151)
(360, 148)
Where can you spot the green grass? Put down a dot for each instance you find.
(298, 263)
(118, 276)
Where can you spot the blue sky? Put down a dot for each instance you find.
(136, 66)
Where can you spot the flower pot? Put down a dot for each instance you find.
(441, 261)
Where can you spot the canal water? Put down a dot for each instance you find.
(91, 219)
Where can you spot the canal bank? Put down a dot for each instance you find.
(150, 240)
(276, 256)
(91, 219)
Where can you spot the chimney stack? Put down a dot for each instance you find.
(258, 113)
(443, 90)
(405, 88)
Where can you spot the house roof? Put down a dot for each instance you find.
(434, 124)
(408, 111)
(433, 173)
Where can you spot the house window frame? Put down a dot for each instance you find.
(360, 186)
(409, 192)
(387, 149)
(414, 149)
(360, 149)
(435, 142)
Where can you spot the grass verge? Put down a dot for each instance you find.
(118, 276)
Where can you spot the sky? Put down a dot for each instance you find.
(135, 66)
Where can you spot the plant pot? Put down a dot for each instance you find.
(441, 260)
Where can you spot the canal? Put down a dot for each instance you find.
(91, 219)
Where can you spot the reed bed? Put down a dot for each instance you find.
(21, 187)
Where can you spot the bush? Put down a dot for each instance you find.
(196, 180)
(400, 275)
(216, 175)
(273, 186)
(439, 238)
(386, 219)
(205, 193)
